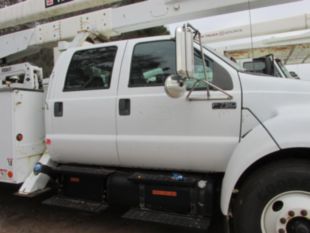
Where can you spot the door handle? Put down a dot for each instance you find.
(124, 107)
(58, 109)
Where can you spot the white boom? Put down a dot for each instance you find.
(290, 49)
(279, 40)
(122, 19)
(296, 23)
(33, 10)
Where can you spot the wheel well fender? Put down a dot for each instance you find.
(254, 146)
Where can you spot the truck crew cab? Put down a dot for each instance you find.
(116, 138)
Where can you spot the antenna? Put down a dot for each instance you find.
(251, 32)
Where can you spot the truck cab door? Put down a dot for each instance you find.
(156, 131)
(81, 115)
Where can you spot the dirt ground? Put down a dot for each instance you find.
(23, 215)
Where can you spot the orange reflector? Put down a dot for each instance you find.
(48, 141)
(164, 193)
(10, 174)
(74, 179)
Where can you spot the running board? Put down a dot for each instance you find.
(77, 204)
(168, 218)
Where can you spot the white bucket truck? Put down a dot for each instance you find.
(118, 139)
(115, 137)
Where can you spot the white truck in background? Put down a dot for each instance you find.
(267, 65)
(263, 55)
(114, 135)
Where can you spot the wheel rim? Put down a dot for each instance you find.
(288, 212)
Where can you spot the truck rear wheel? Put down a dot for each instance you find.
(275, 199)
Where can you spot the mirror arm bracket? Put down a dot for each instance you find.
(228, 96)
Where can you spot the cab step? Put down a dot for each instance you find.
(168, 218)
(77, 204)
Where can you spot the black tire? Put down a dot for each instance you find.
(262, 186)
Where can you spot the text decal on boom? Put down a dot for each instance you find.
(50, 3)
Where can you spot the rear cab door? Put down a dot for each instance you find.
(81, 125)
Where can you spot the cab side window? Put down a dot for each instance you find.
(90, 69)
(152, 63)
(215, 74)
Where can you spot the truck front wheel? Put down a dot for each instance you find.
(274, 199)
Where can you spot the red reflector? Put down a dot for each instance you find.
(10, 174)
(19, 137)
(48, 141)
(164, 193)
(74, 179)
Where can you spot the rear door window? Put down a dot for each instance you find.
(90, 69)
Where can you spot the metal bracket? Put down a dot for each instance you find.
(228, 96)
(197, 34)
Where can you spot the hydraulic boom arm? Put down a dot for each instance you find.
(114, 21)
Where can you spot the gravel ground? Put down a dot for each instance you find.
(23, 215)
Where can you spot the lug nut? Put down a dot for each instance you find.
(291, 213)
(283, 220)
(304, 213)
(281, 230)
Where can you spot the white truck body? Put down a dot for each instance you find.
(22, 126)
(22, 114)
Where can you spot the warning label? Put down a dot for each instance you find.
(50, 3)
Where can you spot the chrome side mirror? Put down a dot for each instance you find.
(175, 86)
(184, 51)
